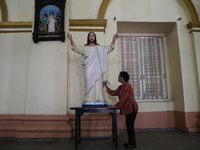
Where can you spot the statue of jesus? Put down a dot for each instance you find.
(94, 60)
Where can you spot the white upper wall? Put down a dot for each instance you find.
(148, 11)
(84, 9)
(20, 10)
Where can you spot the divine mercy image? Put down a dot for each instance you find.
(49, 19)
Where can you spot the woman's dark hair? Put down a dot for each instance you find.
(125, 75)
(88, 40)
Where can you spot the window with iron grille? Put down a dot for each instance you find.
(143, 57)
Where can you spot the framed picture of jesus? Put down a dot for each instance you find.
(49, 20)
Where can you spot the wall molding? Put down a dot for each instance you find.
(96, 25)
(191, 10)
(16, 31)
(93, 125)
(16, 24)
(191, 25)
(187, 121)
(103, 8)
(88, 22)
(15, 27)
(194, 31)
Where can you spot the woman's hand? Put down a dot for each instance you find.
(105, 83)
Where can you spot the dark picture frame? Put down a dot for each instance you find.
(49, 20)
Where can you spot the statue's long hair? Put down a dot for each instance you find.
(88, 40)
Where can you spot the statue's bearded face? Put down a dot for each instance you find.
(91, 38)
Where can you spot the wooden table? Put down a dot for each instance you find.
(79, 111)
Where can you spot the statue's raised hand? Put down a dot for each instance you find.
(115, 36)
(69, 36)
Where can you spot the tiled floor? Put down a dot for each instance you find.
(146, 140)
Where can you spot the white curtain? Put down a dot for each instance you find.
(143, 58)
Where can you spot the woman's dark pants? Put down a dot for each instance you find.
(130, 120)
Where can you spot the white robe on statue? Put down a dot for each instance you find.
(51, 25)
(94, 60)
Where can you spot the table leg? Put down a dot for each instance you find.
(76, 130)
(113, 131)
(79, 129)
(115, 128)
(79, 126)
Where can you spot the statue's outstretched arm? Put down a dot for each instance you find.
(71, 39)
